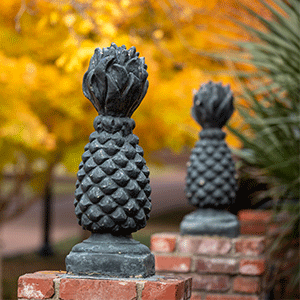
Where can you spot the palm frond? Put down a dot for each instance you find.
(271, 113)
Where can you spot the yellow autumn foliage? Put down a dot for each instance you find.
(45, 47)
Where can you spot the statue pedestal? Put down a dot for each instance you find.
(59, 285)
(209, 221)
(106, 255)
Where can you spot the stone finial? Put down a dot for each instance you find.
(116, 80)
(211, 177)
(213, 105)
(112, 197)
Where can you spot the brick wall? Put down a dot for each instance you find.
(256, 222)
(53, 285)
(221, 268)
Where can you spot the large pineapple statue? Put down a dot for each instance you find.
(112, 197)
(211, 178)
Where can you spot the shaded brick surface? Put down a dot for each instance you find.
(217, 265)
(254, 222)
(163, 242)
(255, 215)
(249, 285)
(253, 227)
(211, 283)
(171, 263)
(204, 245)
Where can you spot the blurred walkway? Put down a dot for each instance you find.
(25, 233)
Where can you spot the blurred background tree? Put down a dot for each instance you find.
(44, 50)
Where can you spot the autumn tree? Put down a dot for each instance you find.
(45, 47)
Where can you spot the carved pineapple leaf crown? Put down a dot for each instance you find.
(116, 80)
(213, 105)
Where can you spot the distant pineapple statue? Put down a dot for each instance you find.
(112, 197)
(211, 178)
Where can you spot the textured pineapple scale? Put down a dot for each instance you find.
(113, 191)
(210, 178)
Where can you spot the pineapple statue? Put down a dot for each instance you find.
(112, 197)
(211, 178)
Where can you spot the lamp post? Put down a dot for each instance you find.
(46, 249)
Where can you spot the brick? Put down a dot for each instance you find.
(217, 265)
(83, 289)
(254, 221)
(230, 297)
(255, 215)
(38, 285)
(163, 242)
(249, 285)
(252, 266)
(166, 289)
(253, 228)
(70, 288)
(170, 263)
(220, 283)
(204, 245)
(250, 245)
(197, 297)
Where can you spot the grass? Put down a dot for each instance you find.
(14, 267)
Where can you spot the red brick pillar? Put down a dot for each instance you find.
(256, 222)
(222, 268)
(57, 285)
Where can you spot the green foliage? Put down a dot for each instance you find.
(270, 109)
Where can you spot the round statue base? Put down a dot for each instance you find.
(106, 255)
(209, 221)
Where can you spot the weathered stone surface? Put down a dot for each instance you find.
(210, 222)
(112, 196)
(104, 255)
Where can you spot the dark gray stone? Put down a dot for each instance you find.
(210, 222)
(112, 197)
(105, 255)
(211, 181)
(116, 80)
(213, 105)
(211, 176)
